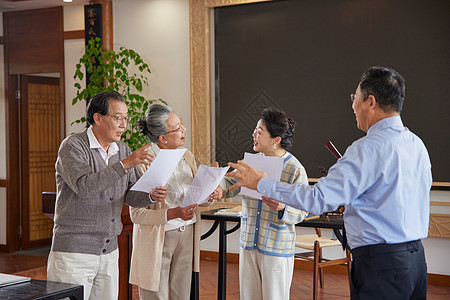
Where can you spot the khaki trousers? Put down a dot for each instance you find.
(264, 277)
(99, 274)
(176, 267)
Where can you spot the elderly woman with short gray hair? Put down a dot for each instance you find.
(166, 237)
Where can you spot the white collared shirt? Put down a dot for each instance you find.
(178, 184)
(94, 144)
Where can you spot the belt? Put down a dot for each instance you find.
(181, 229)
(372, 250)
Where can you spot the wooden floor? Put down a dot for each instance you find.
(336, 286)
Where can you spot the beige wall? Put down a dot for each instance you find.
(73, 49)
(159, 31)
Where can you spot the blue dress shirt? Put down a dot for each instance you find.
(384, 181)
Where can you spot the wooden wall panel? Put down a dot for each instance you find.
(439, 226)
(33, 40)
(125, 241)
(33, 43)
(73, 34)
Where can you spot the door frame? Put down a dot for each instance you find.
(12, 163)
(13, 191)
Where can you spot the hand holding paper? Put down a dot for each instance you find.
(270, 165)
(159, 193)
(205, 182)
(184, 213)
(216, 195)
(273, 204)
(160, 170)
(139, 156)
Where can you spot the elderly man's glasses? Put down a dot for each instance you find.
(120, 119)
(179, 127)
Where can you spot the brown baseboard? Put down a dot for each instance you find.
(214, 256)
(438, 279)
(433, 279)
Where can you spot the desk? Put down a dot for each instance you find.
(40, 290)
(334, 222)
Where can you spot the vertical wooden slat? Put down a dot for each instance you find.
(43, 132)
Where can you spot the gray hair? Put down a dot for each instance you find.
(100, 104)
(153, 125)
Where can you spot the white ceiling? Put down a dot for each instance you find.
(6, 6)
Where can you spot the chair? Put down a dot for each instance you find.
(316, 242)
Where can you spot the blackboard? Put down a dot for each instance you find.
(306, 58)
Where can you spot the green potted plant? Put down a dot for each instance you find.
(109, 70)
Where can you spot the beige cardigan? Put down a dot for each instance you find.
(148, 238)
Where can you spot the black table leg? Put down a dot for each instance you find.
(222, 284)
(338, 235)
(221, 222)
(194, 286)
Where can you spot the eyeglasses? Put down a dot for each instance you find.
(120, 119)
(179, 128)
(352, 97)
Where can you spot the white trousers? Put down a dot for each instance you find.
(99, 274)
(264, 277)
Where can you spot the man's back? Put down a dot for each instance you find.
(391, 193)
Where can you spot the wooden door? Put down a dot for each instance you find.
(40, 128)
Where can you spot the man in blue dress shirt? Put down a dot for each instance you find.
(384, 181)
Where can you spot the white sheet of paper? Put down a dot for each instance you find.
(160, 170)
(205, 182)
(8, 279)
(271, 165)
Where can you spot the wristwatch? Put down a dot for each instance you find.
(281, 213)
